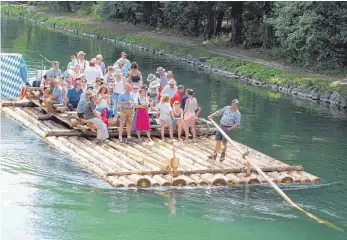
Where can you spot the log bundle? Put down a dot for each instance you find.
(142, 164)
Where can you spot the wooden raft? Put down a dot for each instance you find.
(139, 163)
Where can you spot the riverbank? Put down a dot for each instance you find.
(275, 79)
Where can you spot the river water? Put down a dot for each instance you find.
(45, 195)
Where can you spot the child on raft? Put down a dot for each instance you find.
(165, 111)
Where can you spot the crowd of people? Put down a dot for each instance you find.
(98, 94)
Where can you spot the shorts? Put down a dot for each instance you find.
(219, 136)
(126, 115)
(189, 116)
(166, 119)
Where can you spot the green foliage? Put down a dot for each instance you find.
(313, 33)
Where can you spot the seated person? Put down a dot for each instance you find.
(55, 98)
(73, 96)
(82, 102)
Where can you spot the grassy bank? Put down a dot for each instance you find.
(267, 75)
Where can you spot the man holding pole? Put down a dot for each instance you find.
(230, 120)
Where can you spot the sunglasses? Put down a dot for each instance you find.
(83, 81)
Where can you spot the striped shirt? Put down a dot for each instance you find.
(229, 117)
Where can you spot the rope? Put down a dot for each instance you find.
(278, 190)
(44, 58)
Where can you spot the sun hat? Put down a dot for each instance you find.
(190, 91)
(172, 81)
(154, 84)
(151, 77)
(160, 69)
(99, 56)
(92, 60)
(121, 60)
(81, 53)
(235, 101)
(56, 80)
(118, 72)
(169, 73)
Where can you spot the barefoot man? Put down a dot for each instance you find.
(230, 120)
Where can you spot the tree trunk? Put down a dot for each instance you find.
(236, 22)
(219, 22)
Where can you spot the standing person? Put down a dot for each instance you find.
(120, 64)
(72, 63)
(54, 72)
(100, 64)
(55, 98)
(118, 89)
(178, 95)
(91, 72)
(163, 77)
(66, 87)
(76, 74)
(189, 114)
(165, 115)
(134, 75)
(125, 103)
(177, 118)
(73, 96)
(80, 61)
(170, 89)
(142, 118)
(169, 74)
(183, 101)
(151, 77)
(231, 119)
(127, 64)
(93, 117)
(135, 92)
(109, 76)
(153, 93)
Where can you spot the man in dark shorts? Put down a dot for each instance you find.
(231, 118)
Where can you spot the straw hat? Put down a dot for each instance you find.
(81, 53)
(154, 84)
(172, 81)
(99, 56)
(121, 60)
(160, 69)
(151, 77)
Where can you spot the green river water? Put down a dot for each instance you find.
(45, 195)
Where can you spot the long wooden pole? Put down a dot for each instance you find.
(280, 192)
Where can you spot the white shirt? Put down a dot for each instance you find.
(119, 86)
(91, 74)
(164, 109)
(83, 64)
(135, 97)
(169, 91)
(99, 69)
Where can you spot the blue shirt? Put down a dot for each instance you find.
(125, 97)
(183, 102)
(59, 93)
(81, 104)
(229, 117)
(53, 73)
(73, 95)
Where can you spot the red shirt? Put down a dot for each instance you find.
(177, 97)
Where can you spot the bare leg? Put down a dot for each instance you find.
(138, 135)
(217, 146)
(171, 130)
(128, 128)
(193, 130)
(149, 136)
(162, 128)
(186, 127)
(224, 147)
(121, 126)
(49, 106)
(179, 129)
